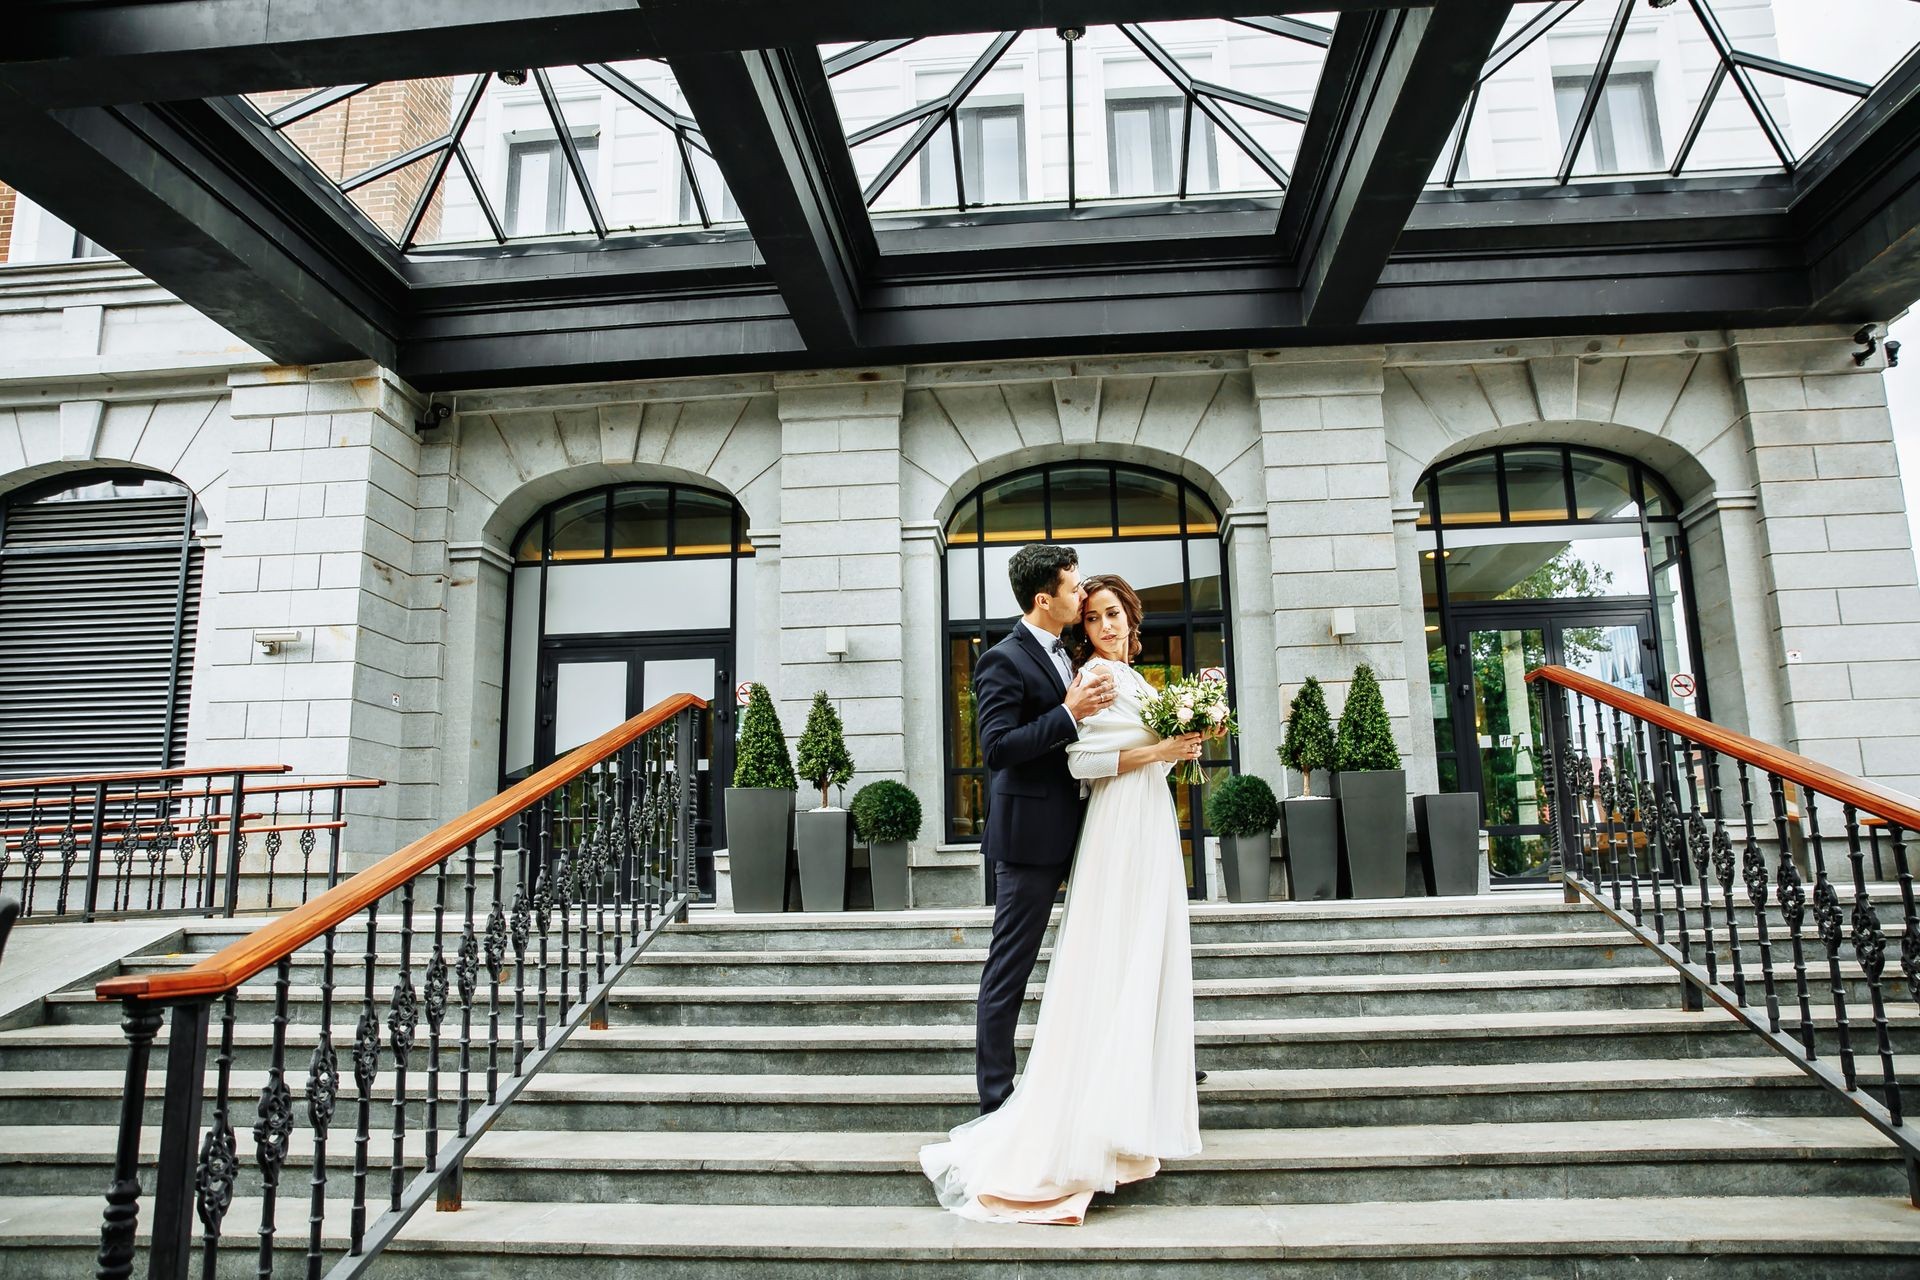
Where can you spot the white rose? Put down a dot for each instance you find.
(1217, 714)
(1185, 716)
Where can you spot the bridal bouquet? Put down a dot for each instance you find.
(1190, 706)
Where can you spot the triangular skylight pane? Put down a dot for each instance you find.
(1857, 40)
(1805, 112)
(1730, 137)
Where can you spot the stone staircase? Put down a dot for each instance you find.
(1501, 1086)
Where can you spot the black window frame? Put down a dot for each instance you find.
(586, 143)
(1164, 142)
(1600, 134)
(965, 124)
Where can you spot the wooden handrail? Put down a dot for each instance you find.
(198, 793)
(228, 968)
(147, 775)
(1884, 802)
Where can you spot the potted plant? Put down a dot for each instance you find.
(1241, 810)
(1372, 788)
(887, 816)
(760, 808)
(824, 836)
(1310, 823)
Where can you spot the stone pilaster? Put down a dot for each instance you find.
(841, 559)
(1330, 526)
(1837, 555)
(321, 540)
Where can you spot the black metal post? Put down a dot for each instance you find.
(235, 843)
(96, 842)
(171, 1253)
(118, 1224)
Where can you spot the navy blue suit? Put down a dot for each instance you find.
(1033, 824)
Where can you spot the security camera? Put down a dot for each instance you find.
(1892, 347)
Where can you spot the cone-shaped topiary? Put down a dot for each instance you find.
(1366, 735)
(824, 759)
(761, 758)
(1242, 805)
(885, 812)
(1309, 743)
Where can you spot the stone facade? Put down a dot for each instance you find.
(387, 546)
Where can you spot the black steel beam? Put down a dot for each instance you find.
(1858, 208)
(149, 184)
(79, 52)
(769, 118)
(1410, 77)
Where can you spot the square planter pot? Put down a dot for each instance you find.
(887, 864)
(759, 825)
(1244, 864)
(1312, 828)
(1373, 831)
(1448, 830)
(824, 839)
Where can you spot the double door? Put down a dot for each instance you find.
(589, 685)
(1496, 717)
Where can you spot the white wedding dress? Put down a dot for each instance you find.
(1108, 1089)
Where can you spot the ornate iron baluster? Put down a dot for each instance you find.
(1870, 949)
(308, 843)
(69, 846)
(219, 1167)
(1826, 918)
(466, 969)
(1609, 802)
(1700, 846)
(436, 1007)
(1673, 848)
(1792, 896)
(1910, 935)
(1723, 864)
(543, 917)
(522, 921)
(323, 1094)
(118, 1225)
(366, 1066)
(403, 1019)
(496, 954)
(1753, 866)
(1647, 808)
(274, 1129)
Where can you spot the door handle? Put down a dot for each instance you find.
(1464, 690)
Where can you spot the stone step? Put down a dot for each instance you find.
(889, 966)
(1764, 1155)
(1616, 1089)
(1243, 1044)
(1763, 1237)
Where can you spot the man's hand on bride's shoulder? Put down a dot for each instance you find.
(1091, 691)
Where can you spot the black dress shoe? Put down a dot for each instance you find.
(1199, 1077)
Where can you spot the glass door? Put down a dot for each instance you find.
(589, 687)
(1497, 722)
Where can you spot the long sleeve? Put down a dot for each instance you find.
(1096, 754)
(1004, 741)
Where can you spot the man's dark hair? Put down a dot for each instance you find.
(1037, 567)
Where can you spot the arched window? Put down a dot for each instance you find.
(1544, 554)
(1158, 532)
(620, 597)
(99, 591)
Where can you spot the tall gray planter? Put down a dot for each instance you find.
(1447, 828)
(1373, 831)
(824, 838)
(887, 863)
(759, 824)
(1312, 828)
(1244, 864)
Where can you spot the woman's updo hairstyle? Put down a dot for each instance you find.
(1082, 647)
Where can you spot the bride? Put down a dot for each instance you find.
(1109, 1086)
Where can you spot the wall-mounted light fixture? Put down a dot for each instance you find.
(1864, 335)
(274, 641)
(1342, 623)
(834, 639)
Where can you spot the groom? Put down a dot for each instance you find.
(1029, 708)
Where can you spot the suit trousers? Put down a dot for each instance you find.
(1022, 903)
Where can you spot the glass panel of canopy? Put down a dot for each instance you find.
(518, 154)
(1578, 89)
(1079, 115)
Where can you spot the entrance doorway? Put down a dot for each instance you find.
(1497, 723)
(588, 685)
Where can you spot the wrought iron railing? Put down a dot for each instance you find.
(166, 842)
(598, 850)
(1651, 810)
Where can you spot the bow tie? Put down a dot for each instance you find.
(1060, 647)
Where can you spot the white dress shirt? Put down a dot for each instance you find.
(1061, 662)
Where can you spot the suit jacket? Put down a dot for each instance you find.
(1033, 802)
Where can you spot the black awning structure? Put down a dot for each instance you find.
(522, 192)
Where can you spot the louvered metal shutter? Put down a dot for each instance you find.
(91, 607)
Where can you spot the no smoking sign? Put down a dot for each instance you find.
(1681, 684)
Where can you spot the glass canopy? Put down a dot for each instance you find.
(1603, 88)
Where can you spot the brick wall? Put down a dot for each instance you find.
(371, 128)
(6, 220)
